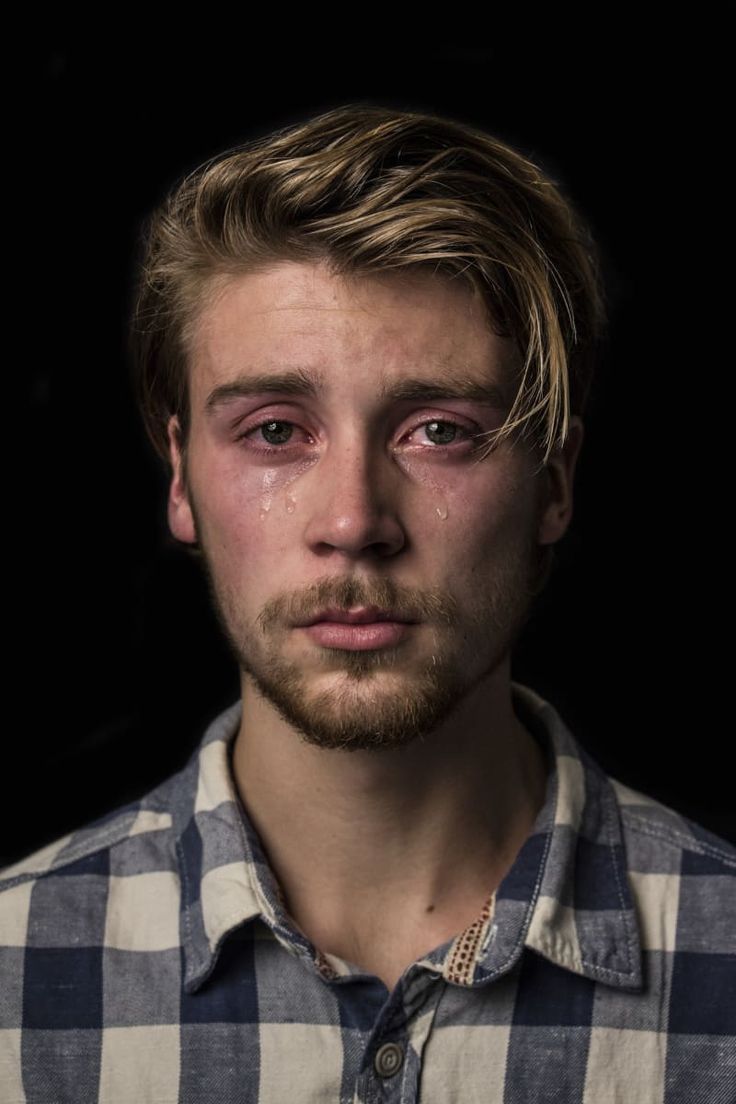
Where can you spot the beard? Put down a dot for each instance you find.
(388, 697)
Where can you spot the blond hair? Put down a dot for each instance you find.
(371, 189)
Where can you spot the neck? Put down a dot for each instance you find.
(420, 834)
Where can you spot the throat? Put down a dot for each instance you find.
(386, 948)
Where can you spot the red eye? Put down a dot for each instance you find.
(278, 435)
(273, 435)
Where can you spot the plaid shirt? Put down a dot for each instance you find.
(149, 957)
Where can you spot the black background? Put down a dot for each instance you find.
(116, 662)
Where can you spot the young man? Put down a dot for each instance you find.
(364, 345)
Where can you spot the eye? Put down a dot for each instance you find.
(277, 432)
(272, 436)
(445, 431)
(441, 434)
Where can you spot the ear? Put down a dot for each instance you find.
(557, 502)
(180, 516)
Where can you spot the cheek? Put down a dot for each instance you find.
(255, 490)
(255, 513)
(480, 504)
(494, 541)
(245, 521)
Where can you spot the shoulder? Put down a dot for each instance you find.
(683, 883)
(61, 893)
(661, 840)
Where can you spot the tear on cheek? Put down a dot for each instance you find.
(450, 478)
(426, 472)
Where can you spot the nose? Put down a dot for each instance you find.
(353, 503)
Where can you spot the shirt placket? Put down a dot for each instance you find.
(390, 1071)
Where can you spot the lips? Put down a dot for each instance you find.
(364, 615)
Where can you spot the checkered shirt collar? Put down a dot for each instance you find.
(566, 895)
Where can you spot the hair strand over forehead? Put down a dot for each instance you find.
(369, 190)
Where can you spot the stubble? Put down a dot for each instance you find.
(388, 697)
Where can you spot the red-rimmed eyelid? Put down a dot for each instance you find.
(249, 427)
(251, 432)
(464, 430)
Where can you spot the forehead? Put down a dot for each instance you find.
(375, 329)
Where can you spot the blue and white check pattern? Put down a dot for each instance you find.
(149, 957)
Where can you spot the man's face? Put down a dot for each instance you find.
(335, 462)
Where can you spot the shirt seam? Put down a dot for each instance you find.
(83, 852)
(185, 901)
(677, 839)
(520, 943)
(633, 934)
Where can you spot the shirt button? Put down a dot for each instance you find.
(388, 1059)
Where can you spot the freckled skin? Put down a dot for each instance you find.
(360, 505)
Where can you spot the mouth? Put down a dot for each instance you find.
(358, 629)
(364, 615)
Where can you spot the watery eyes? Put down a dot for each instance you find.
(277, 433)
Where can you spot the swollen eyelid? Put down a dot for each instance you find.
(284, 431)
(278, 427)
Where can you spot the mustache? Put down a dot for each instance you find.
(410, 603)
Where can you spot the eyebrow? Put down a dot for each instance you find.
(299, 381)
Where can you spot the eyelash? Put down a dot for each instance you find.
(464, 434)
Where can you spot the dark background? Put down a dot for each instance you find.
(117, 662)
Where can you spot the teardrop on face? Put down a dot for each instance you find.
(290, 504)
(442, 512)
